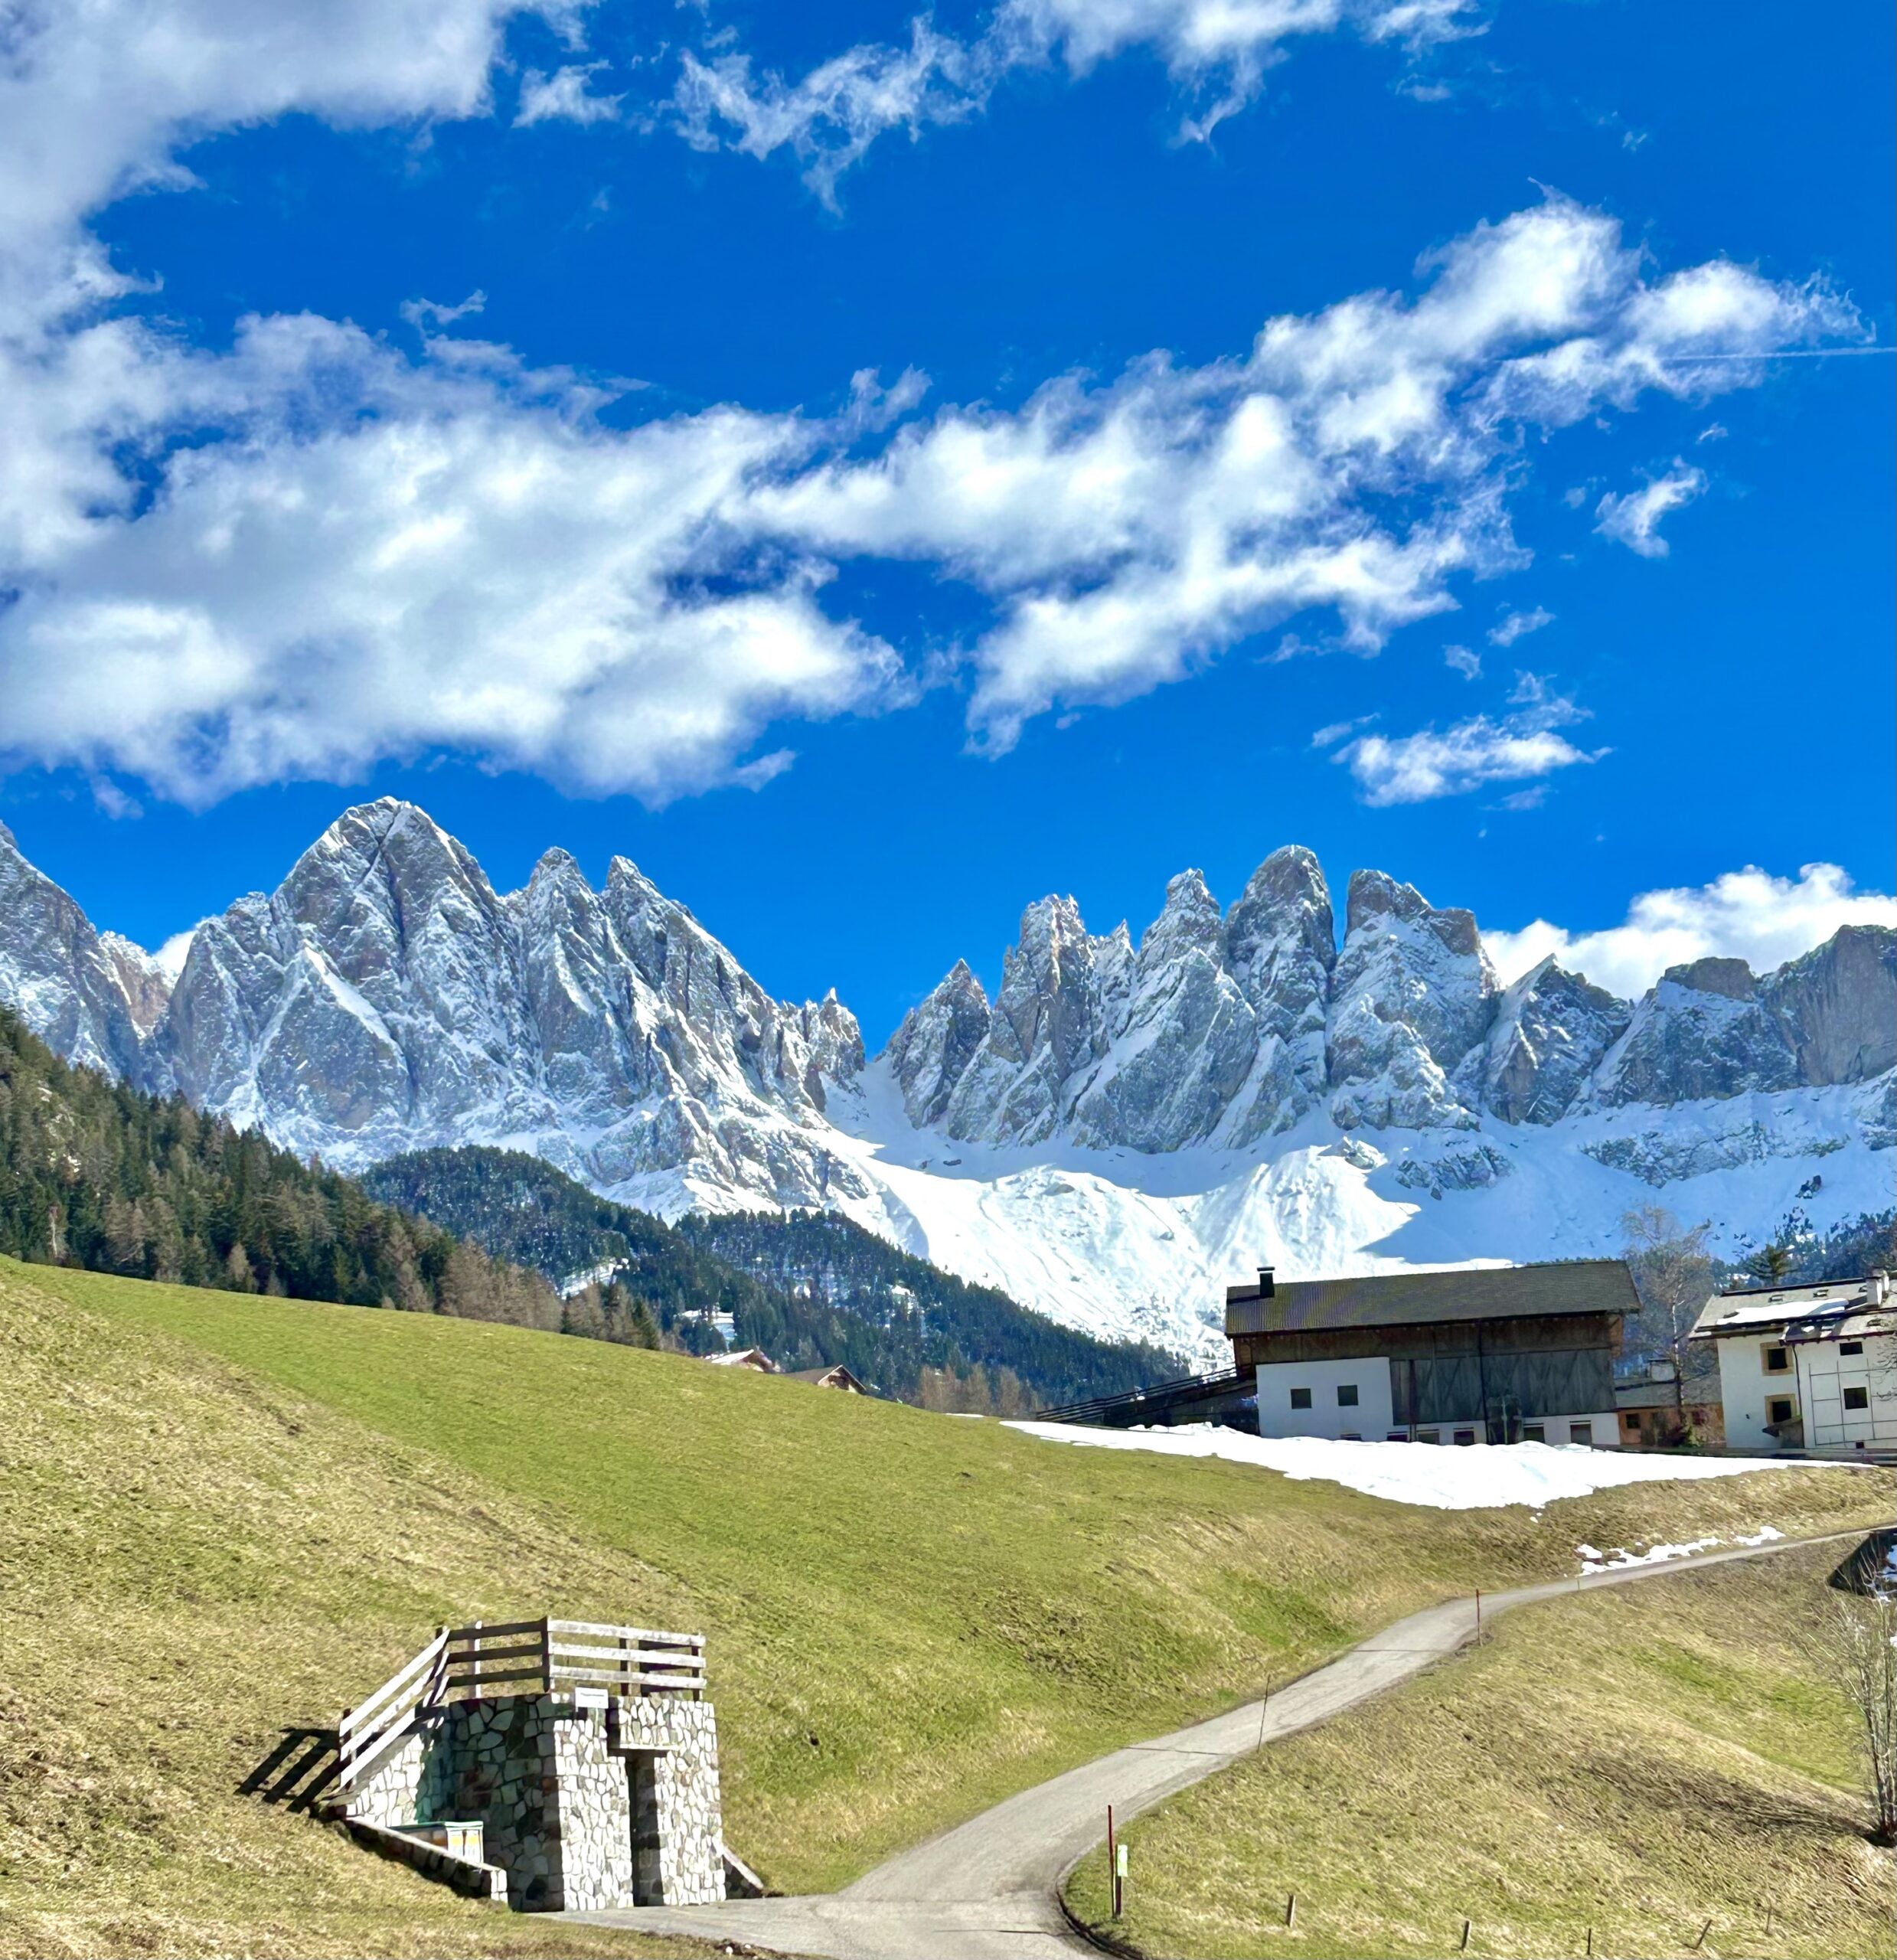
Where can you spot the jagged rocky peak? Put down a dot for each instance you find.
(1180, 1043)
(58, 975)
(1281, 945)
(930, 1051)
(1712, 1029)
(1835, 1004)
(1411, 994)
(143, 978)
(1731, 979)
(1552, 1028)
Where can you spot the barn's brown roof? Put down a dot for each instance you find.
(1409, 1299)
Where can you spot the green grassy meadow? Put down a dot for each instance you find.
(226, 1515)
(1638, 1761)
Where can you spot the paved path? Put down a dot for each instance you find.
(986, 1890)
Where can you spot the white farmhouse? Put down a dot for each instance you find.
(1807, 1367)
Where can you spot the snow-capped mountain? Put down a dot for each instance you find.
(1119, 1132)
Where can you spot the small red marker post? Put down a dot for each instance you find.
(1478, 1613)
(1113, 1866)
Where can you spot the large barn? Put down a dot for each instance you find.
(1515, 1353)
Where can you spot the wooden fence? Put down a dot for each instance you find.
(518, 1656)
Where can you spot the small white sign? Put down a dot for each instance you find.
(590, 1697)
(1122, 1860)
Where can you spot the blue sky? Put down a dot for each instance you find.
(1558, 502)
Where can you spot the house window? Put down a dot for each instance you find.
(1396, 1435)
(1581, 1432)
(1778, 1409)
(1346, 1395)
(1851, 1347)
(1857, 1398)
(1465, 1436)
(1777, 1360)
(1429, 1435)
(1349, 1435)
(1534, 1433)
(1301, 1398)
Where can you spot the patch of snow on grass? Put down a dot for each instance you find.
(1593, 1561)
(1485, 1476)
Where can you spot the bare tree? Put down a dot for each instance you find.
(1673, 1274)
(1856, 1645)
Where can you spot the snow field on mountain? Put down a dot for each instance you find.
(1128, 1245)
(1482, 1478)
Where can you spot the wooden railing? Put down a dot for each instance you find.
(543, 1657)
(366, 1729)
(517, 1657)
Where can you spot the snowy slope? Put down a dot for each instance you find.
(1122, 1131)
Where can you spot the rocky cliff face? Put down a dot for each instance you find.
(63, 976)
(385, 996)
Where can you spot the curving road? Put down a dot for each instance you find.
(987, 1890)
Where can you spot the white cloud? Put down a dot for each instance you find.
(1464, 660)
(312, 551)
(1471, 754)
(564, 97)
(1217, 50)
(425, 315)
(1517, 624)
(1633, 520)
(1748, 915)
(1335, 731)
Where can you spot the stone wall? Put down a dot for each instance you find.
(582, 1808)
(408, 1779)
(672, 1744)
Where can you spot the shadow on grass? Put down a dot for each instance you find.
(299, 1771)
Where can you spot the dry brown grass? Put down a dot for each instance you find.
(1637, 1760)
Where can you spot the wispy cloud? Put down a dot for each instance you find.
(1517, 624)
(565, 97)
(1464, 660)
(1633, 519)
(1216, 53)
(1748, 915)
(1335, 731)
(1471, 754)
(425, 314)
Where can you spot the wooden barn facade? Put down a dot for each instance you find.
(1518, 1353)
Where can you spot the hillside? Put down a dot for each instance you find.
(811, 1289)
(1639, 1761)
(229, 1514)
(95, 1172)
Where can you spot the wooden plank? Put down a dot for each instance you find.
(485, 1679)
(465, 1657)
(500, 1629)
(354, 1716)
(563, 1673)
(648, 1656)
(634, 1633)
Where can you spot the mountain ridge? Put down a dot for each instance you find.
(1239, 1085)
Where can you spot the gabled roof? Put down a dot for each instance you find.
(835, 1376)
(1410, 1299)
(1756, 1309)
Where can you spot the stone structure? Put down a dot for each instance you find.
(585, 1802)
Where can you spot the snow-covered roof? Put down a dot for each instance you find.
(1748, 1311)
(1842, 1327)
